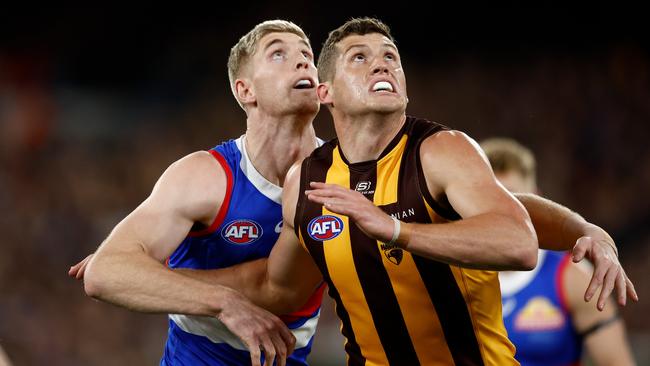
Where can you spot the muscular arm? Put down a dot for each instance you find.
(283, 282)
(606, 344)
(128, 270)
(559, 228)
(495, 231)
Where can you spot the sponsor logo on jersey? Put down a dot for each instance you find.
(364, 187)
(325, 227)
(539, 314)
(242, 231)
(403, 214)
(278, 227)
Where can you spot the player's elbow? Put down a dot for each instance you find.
(92, 287)
(93, 280)
(525, 253)
(526, 259)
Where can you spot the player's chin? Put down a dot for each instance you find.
(388, 108)
(306, 107)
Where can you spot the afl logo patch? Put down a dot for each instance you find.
(241, 232)
(325, 227)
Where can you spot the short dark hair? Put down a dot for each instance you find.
(358, 26)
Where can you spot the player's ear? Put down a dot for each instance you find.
(325, 93)
(244, 91)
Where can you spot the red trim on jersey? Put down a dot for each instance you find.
(310, 307)
(226, 199)
(559, 282)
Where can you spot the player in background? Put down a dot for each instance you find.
(543, 310)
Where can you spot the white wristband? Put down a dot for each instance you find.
(396, 230)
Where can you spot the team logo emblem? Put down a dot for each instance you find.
(539, 314)
(242, 231)
(392, 253)
(325, 227)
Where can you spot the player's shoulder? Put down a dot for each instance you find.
(195, 162)
(292, 179)
(448, 139)
(449, 144)
(199, 171)
(576, 274)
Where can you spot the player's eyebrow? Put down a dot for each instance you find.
(278, 40)
(363, 45)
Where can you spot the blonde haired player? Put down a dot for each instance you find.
(216, 208)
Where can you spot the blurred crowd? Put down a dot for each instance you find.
(74, 160)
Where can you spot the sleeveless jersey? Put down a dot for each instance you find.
(246, 228)
(536, 315)
(397, 308)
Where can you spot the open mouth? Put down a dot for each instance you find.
(304, 84)
(382, 86)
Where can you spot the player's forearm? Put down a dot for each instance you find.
(138, 282)
(557, 227)
(488, 241)
(252, 280)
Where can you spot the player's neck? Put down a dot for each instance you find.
(275, 144)
(363, 138)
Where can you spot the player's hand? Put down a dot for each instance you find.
(260, 330)
(369, 218)
(78, 270)
(609, 275)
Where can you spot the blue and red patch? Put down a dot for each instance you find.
(325, 227)
(242, 232)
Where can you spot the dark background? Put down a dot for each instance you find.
(95, 102)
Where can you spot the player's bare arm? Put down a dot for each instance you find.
(127, 269)
(495, 232)
(603, 331)
(283, 282)
(559, 228)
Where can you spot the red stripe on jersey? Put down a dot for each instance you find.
(310, 307)
(559, 282)
(226, 200)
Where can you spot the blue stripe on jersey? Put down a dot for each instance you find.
(248, 232)
(185, 349)
(539, 325)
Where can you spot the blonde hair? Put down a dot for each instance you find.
(507, 155)
(241, 52)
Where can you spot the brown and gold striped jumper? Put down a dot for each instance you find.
(397, 308)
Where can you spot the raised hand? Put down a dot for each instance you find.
(608, 273)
